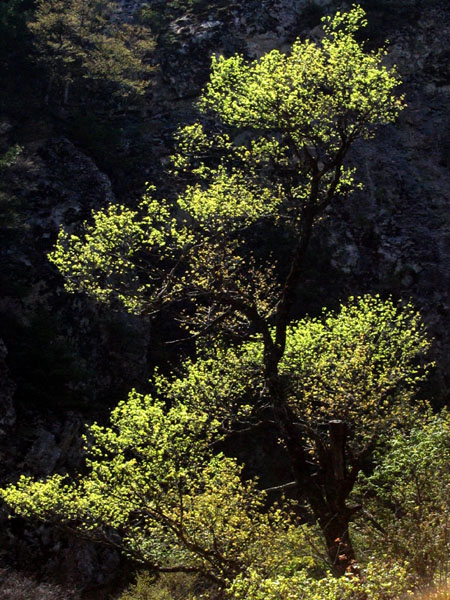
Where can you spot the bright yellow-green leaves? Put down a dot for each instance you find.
(154, 475)
(229, 196)
(318, 94)
(223, 382)
(361, 365)
(154, 479)
(127, 256)
(117, 258)
(378, 581)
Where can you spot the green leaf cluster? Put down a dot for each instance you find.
(158, 488)
(361, 365)
(316, 94)
(332, 388)
(118, 256)
(377, 581)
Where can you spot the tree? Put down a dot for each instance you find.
(329, 387)
(81, 41)
(300, 114)
(344, 381)
(156, 478)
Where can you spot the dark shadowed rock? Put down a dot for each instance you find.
(7, 388)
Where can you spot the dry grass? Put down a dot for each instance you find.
(441, 592)
(17, 586)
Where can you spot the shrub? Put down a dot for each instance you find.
(409, 500)
(168, 586)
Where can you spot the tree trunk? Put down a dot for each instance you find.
(326, 485)
(339, 545)
(66, 92)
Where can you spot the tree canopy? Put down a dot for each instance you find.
(158, 488)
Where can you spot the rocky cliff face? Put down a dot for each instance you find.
(68, 360)
(395, 233)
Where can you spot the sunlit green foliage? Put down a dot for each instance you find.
(376, 581)
(120, 244)
(317, 94)
(173, 586)
(156, 478)
(359, 365)
(172, 502)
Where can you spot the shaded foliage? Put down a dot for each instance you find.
(81, 43)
